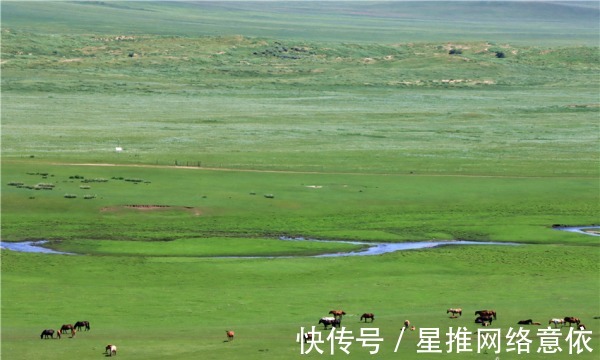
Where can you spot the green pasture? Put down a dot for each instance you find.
(168, 307)
(241, 124)
(199, 203)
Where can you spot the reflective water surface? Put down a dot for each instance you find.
(371, 248)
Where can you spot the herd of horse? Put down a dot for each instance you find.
(484, 317)
(79, 326)
(84, 325)
(570, 320)
(336, 320)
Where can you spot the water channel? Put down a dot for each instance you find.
(371, 248)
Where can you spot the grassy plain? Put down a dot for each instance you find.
(363, 128)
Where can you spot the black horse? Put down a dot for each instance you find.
(525, 322)
(327, 321)
(48, 333)
(82, 324)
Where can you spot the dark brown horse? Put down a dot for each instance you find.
(66, 327)
(337, 313)
(327, 321)
(48, 333)
(81, 325)
(484, 320)
(486, 313)
(366, 316)
(572, 320)
(307, 337)
(525, 322)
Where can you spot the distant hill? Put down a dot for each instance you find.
(538, 22)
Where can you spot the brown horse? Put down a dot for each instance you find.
(337, 313)
(367, 316)
(230, 335)
(82, 324)
(327, 321)
(110, 350)
(525, 322)
(454, 312)
(406, 323)
(67, 327)
(572, 320)
(486, 313)
(47, 333)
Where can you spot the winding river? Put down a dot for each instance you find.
(371, 249)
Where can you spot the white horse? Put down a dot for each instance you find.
(111, 350)
(556, 322)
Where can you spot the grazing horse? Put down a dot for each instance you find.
(367, 316)
(67, 327)
(525, 322)
(484, 320)
(406, 323)
(486, 313)
(454, 312)
(47, 333)
(337, 313)
(82, 324)
(571, 320)
(556, 322)
(581, 327)
(326, 321)
(230, 335)
(110, 350)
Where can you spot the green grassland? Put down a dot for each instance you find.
(245, 122)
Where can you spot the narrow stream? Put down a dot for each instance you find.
(372, 248)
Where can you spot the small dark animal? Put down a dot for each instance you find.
(484, 320)
(366, 316)
(486, 313)
(230, 335)
(572, 320)
(47, 333)
(525, 322)
(307, 337)
(330, 321)
(81, 325)
(406, 323)
(581, 327)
